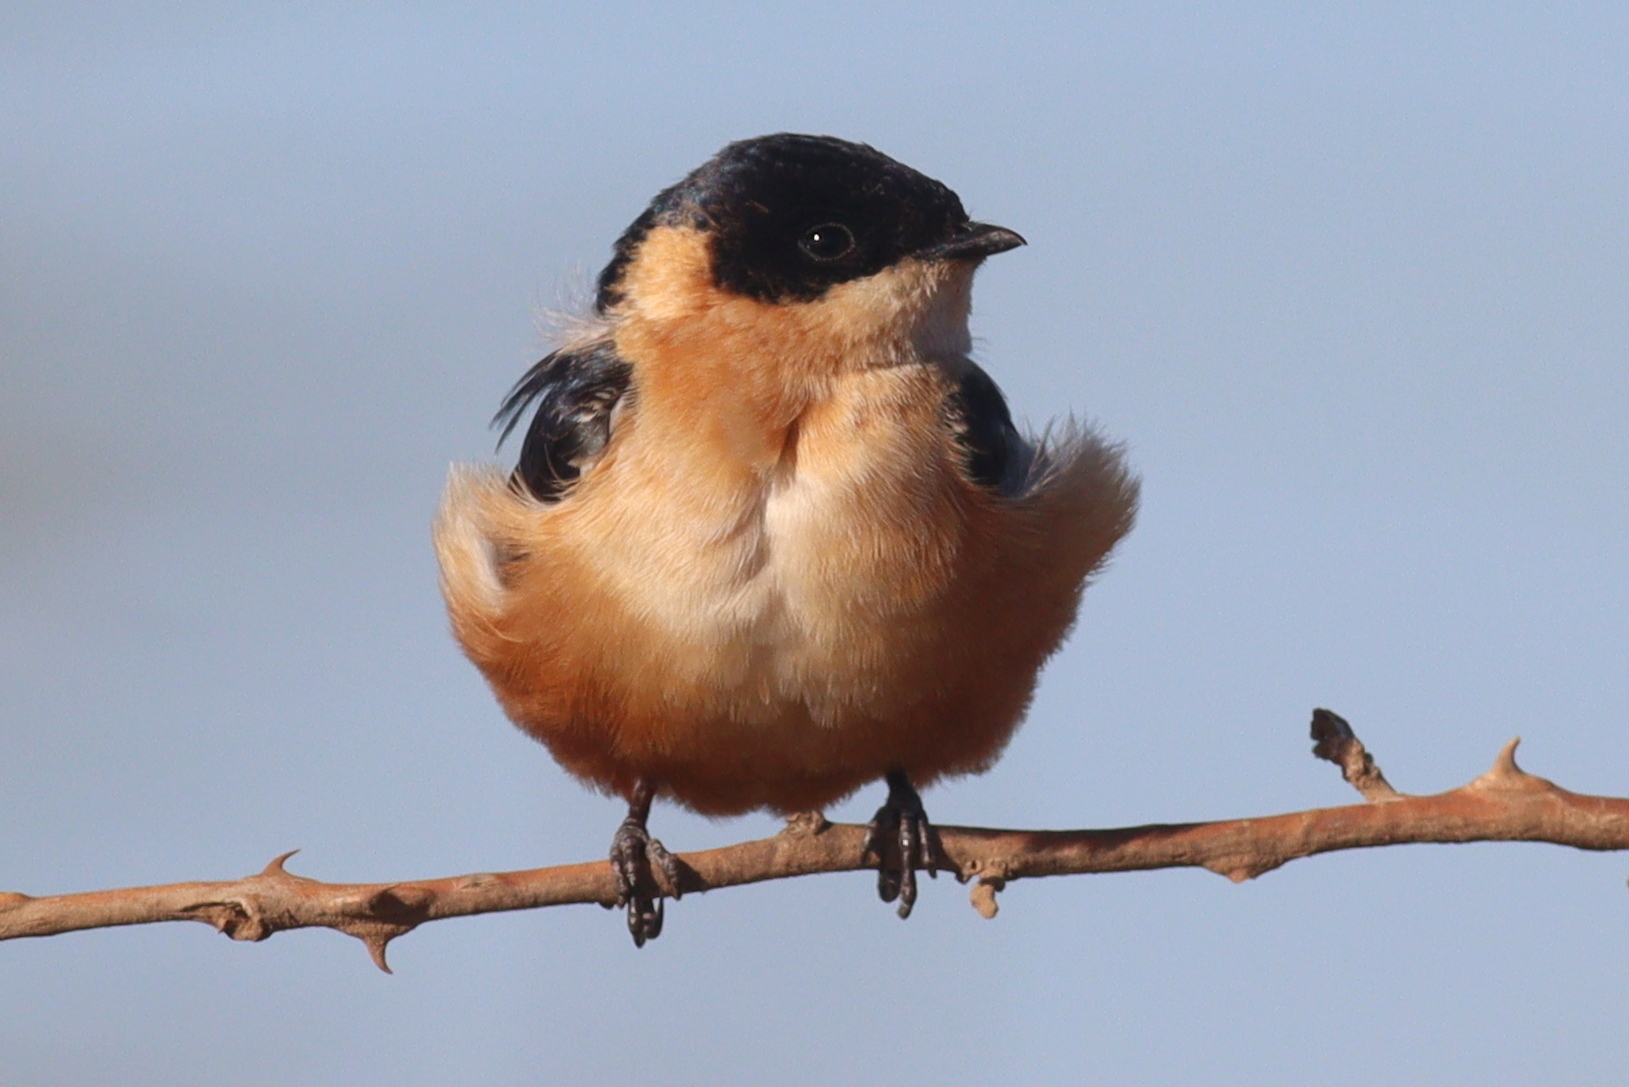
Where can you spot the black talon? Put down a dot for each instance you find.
(915, 845)
(634, 854)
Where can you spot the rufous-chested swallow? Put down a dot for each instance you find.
(772, 534)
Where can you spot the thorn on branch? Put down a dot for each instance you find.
(376, 948)
(1506, 775)
(1505, 761)
(275, 868)
(1337, 743)
(380, 915)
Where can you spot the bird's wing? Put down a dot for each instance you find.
(998, 457)
(576, 390)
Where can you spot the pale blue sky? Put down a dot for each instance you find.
(1353, 284)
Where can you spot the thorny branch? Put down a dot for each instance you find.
(1505, 804)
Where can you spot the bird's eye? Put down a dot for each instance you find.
(828, 241)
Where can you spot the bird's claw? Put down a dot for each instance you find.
(902, 822)
(635, 858)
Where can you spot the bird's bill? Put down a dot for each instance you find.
(975, 241)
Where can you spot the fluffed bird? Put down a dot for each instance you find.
(772, 535)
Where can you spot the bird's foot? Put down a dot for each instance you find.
(902, 822)
(635, 859)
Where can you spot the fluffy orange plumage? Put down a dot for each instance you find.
(778, 577)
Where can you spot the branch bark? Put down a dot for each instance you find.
(1505, 804)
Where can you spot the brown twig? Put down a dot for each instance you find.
(1505, 804)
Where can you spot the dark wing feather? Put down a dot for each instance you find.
(575, 392)
(997, 455)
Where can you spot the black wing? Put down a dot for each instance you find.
(997, 454)
(575, 392)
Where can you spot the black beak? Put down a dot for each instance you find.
(974, 241)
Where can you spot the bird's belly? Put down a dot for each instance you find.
(800, 655)
(806, 592)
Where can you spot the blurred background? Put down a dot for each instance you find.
(1351, 283)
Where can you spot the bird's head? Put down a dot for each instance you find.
(833, 235)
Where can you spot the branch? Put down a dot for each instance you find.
(1505, 804)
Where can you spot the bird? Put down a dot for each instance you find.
(772, 535)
